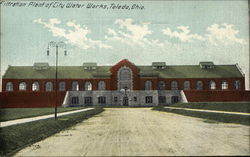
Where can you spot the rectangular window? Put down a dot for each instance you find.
(115, 99)
(75, 100)
(148, 99)
(88, 100)
(101, 100)
(135, 99)
(162, 99)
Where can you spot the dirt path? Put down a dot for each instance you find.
(142, 131)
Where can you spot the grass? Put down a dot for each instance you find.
(219, 106)
(16, 113)
(17, 137)
(219, 117)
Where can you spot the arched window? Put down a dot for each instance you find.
(148, 85)
(125, 74)
(125, 78)
(161, 85)
(22, 86)
(224, 85)
(49, 86)
(88, 86)
(212, 85)
(174, 85)
(75, 86)
(9, 86)
(101, 85)
(237, 84)
(199, 85)
(62, 86)
(186, 85)
(35, 86)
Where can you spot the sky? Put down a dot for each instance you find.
(175, 32)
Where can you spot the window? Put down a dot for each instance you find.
(9, 86)
(35, 86)
(148, 99)
(48, 86)
(75, 86)
(174, 85)
(237, 84)
(161, 85)
(186, 85)
(88, 86)
(101, 85)
(62, 86)
(212, 85)
(87, 100)
(135, 99)
(125, 74)
(162, 99)
(199, 85)
(115, 99)
(224, 85)
(101, 100)
(75, 100)
(174, 99)
(148, 85)
(125, 78)
(22, 86)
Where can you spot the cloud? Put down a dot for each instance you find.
(76, 36)
(223, 34)
(216, 34)
(132, 33)
(184, 34)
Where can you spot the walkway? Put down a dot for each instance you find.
(213, 111)
(26, 120)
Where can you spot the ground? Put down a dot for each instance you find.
(142, 131)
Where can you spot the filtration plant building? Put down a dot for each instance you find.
(123, 84)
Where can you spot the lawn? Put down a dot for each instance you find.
(220, 106)
(16, 113)
(14, 138)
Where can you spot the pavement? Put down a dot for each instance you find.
(26, 120)
(144, 132)
(212, 111)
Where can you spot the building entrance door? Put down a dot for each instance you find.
(125, 101)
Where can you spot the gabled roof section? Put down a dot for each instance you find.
(192, 71)
(67, 72)
(78, 72)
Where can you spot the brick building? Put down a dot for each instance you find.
(121, 84)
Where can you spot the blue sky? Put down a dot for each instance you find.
(177, 32)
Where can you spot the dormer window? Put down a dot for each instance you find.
(89, 66)
(207, 65)
(41, 66)
(159, 65)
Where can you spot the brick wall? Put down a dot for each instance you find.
(30, 99)
(217, 96)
